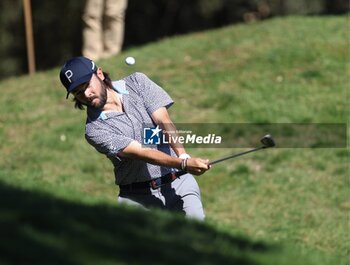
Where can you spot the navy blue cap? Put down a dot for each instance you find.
(76, 71)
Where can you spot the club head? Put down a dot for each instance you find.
(267, 141)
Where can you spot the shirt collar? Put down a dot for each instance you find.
(94, 114)
(120, 87)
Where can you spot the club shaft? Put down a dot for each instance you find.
(235, 155)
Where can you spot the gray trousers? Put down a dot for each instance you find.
(182, 195)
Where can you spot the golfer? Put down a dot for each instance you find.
(117, 113)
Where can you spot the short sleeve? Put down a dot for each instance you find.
(153, 95)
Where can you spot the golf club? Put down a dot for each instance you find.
(267, 142)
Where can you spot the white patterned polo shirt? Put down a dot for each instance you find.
(111, 132)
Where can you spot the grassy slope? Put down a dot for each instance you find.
(283, 70)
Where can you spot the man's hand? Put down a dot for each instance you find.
(197, 166)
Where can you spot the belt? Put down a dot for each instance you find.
(154, 183)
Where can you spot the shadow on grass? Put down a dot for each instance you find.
(39, 229)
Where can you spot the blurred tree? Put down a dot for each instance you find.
(57, 29)
(12, 39)
(336, 6)
(159, 18)
(300, 7)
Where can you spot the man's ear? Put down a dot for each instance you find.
(100, 74)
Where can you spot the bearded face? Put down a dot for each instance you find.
(93, 93)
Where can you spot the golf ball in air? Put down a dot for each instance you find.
(130, 60)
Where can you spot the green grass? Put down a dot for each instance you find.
(293, 202)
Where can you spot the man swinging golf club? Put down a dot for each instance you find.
(116, 113)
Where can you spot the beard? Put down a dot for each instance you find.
(101, 100)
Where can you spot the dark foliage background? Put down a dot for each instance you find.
(57, 25)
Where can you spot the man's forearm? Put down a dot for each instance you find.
(134, 150)
(152, 156)
(159, 158)
(171, 132)
(162, 118)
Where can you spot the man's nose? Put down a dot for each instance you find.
(88, 93)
